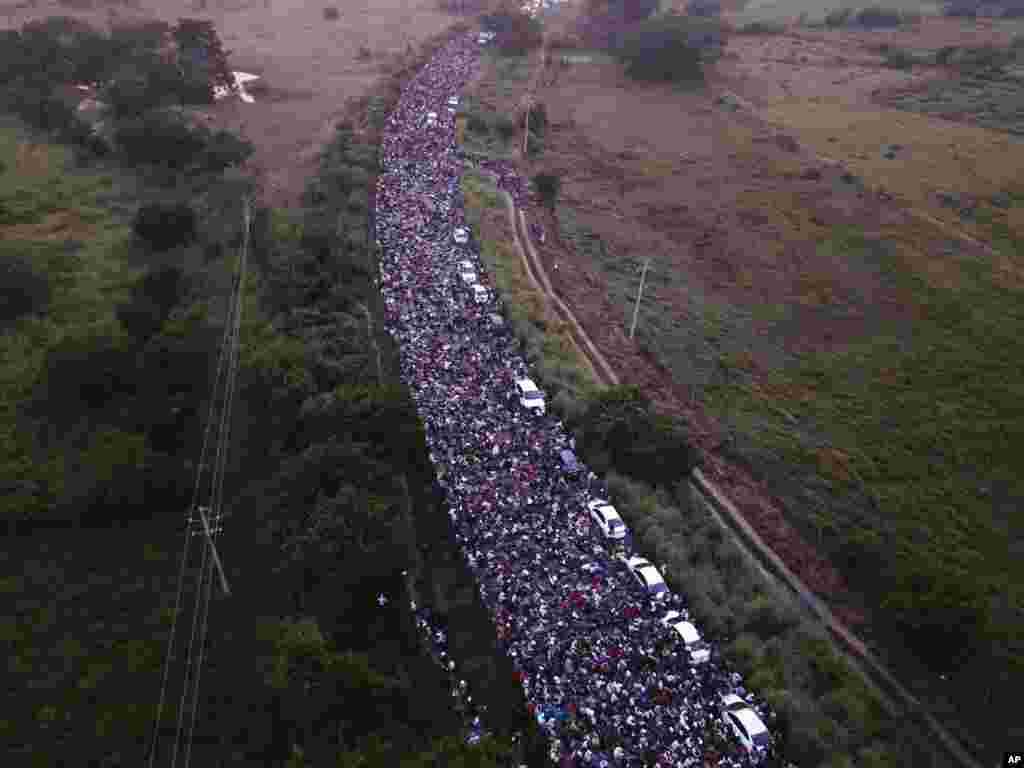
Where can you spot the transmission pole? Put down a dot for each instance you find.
(639, 293)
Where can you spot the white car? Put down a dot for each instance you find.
(453, 103)
(529, 396)
(480, 295)
(698, 650)
(461, 235)
(607, 519)
(431, 119)
(465, 266)
(648, 577)
(468, 276)
(744, 723)
(485, 37)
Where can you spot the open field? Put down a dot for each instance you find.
(312, 73)
(835, 287)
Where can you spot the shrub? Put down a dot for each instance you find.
(664, 49)
(162, 227)
(163, 138)
(743, 651)
(505, 128)
(476, 124)
(898, 59)
(517, 33)
(876, 17)
(223, 150)
(331, 13)
(768, 617)
(763, 28)
(22, 290)
(838, 18)
(548, 185)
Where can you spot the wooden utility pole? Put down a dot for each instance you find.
(639, 293)
(528, 104)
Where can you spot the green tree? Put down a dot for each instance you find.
(548, 186)
(665, 48)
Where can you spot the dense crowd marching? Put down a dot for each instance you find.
(608, 681)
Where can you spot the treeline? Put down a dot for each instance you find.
(144, 75)
(107, 368)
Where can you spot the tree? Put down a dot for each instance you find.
(162, 138)
(201, 56)
(620, 424)
(548, 186)
(666, 48)
(164, 226)
(22, 290)
(153, 298)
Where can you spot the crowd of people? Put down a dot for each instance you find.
(607, 680)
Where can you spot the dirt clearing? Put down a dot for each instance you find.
(312, 70)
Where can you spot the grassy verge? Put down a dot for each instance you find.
(546, 339)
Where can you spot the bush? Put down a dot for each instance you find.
(517, 33)
(767, 617)
(898, 58)
(157, 138)
(22, 290)
(223, 150)
(505, 128)
(331, 13)
(650, 448)
(877, 17)
(762, 28)
(838, 18)
(162, 227)
(664, 49)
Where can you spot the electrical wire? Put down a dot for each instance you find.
(224, 363)
(217, 492)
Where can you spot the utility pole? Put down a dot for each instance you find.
(526, 126)
(213, 550)
(639, 293)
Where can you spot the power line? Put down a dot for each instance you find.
(217, 494)
(205, 520)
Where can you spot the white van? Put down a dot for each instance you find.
(529, 396)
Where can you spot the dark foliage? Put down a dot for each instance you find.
(162, 138)
(516, 32)
(548, 186)
(877, 17)
(22, 290)
(163, 226)
(664, 49)
(154, 296)
(85, 373)
(619, 429)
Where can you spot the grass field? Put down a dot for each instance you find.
(51, 222)
(825, 710)
(895, 451)
(546, 338)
